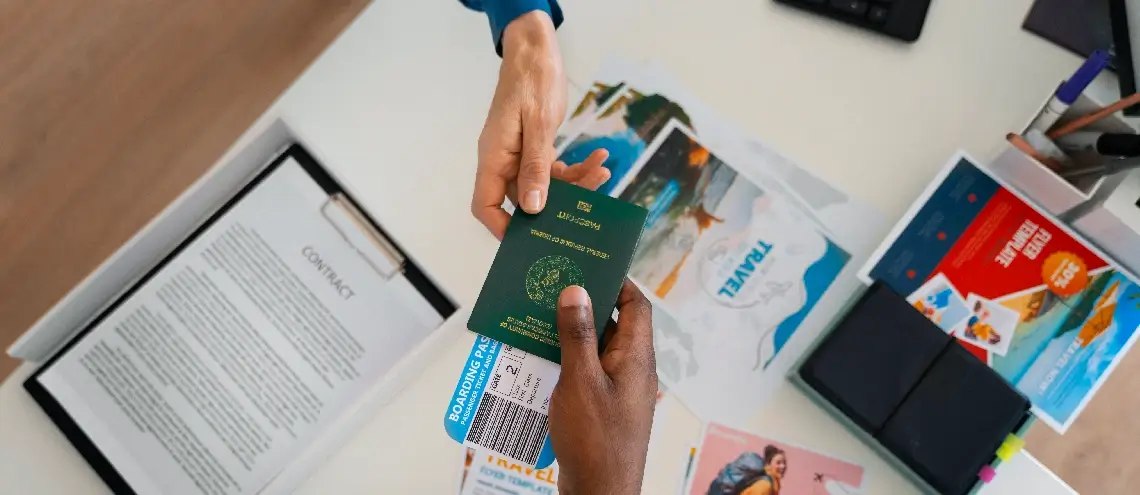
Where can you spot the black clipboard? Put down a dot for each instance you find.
(410, 271)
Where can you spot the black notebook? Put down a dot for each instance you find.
(873, 358)
(912, 387)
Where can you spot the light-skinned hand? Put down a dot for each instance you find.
(516, 148)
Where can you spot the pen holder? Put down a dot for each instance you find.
(1050, 191)
(1112, 219)
(1106, 210)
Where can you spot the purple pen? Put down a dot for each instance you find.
(1070, 90)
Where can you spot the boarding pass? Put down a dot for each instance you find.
(502, 403)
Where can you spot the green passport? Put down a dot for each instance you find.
(581, 238)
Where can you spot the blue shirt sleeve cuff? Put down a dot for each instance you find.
(502, 12)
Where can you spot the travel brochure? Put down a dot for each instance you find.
(735, 259)
(486, 473)
(727, 461)
(1021, 291)
(731, 461)
(723, 253)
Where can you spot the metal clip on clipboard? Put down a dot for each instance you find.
(366, 240)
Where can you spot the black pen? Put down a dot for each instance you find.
(1101, 170)
(1101, 143)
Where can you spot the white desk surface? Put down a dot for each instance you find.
(396, 104)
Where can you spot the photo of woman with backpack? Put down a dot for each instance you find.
(775, 465)
(733, 462)
(752, 474)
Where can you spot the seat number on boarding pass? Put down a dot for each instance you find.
(523, 378)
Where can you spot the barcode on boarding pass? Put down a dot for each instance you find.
(508, 428)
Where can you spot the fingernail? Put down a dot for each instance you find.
(574, 296)
(531, 201)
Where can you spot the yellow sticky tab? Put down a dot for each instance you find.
(1014, 441)
(1010, 447)
(1005, 453)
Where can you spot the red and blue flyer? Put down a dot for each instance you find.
(1025, 294)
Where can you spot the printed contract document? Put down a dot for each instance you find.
(228, 359)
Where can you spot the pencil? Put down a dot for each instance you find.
(1021, 144)
(689, 466)
(1081, 122)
